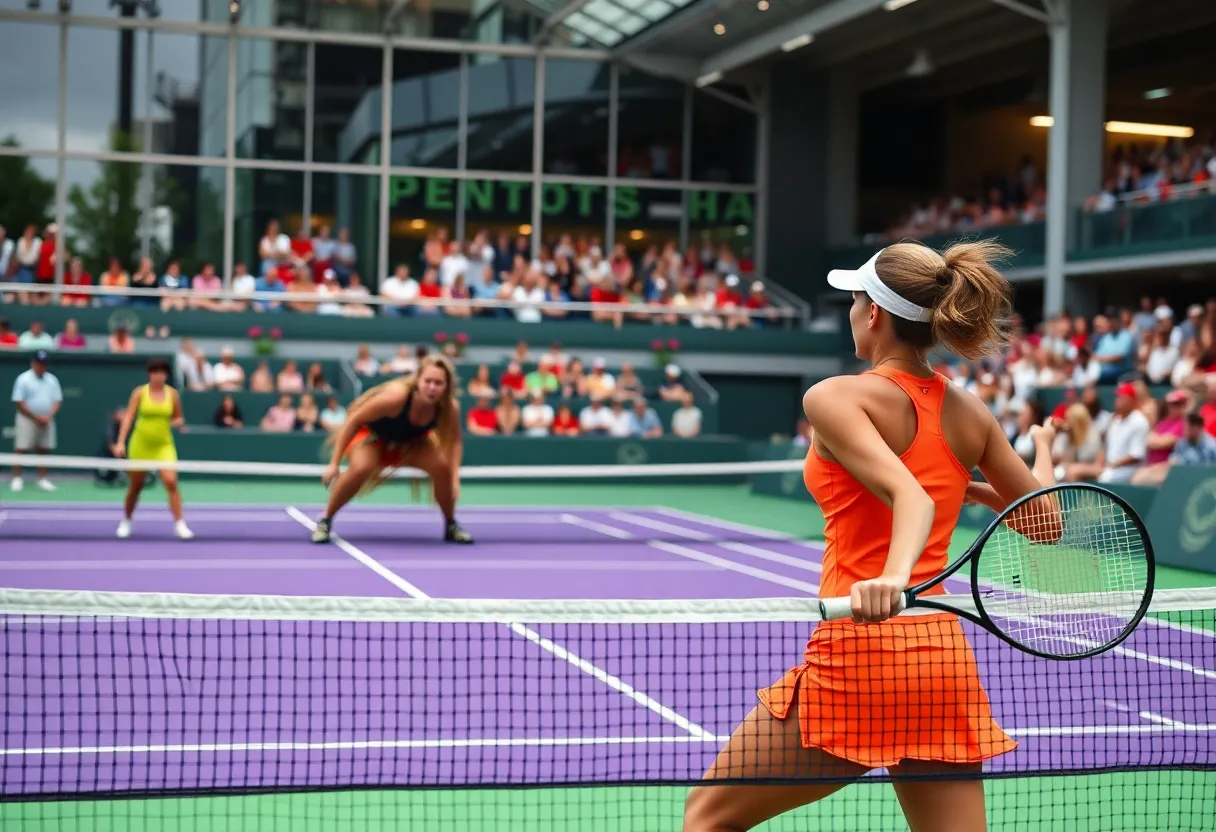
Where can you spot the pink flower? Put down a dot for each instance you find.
(441, 337)
(255, 332)
(673, 344)
(276, 333)
(656, 344)
(462, 338)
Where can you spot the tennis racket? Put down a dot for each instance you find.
(1066, 572)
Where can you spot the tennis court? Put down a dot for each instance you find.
(265, 707)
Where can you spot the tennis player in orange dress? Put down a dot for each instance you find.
(889, 466)
(409, 422)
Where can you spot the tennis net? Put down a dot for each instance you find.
(143, 711)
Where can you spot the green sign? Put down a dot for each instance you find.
(1182, 522)
(423, 196)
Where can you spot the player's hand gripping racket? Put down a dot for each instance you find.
(1066, 572)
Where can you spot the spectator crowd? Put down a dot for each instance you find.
(706, 286)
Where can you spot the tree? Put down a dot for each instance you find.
(26, 196)
(107, 217)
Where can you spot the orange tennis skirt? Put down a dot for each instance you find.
(877, 694)
(392, 454)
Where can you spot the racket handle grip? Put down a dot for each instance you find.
(835, 609)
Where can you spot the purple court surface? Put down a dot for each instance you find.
(120, 704)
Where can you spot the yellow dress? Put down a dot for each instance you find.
(152, 436)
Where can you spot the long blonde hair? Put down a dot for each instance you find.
(1079, 424)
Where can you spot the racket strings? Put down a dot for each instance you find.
(1066, 572)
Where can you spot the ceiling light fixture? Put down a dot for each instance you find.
(797, 43)
(1135, 128)
(710, 78)
(719, 29)
(762, 5)
(892, 5)
(1153, 95)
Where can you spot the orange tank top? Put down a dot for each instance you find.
(858, 525)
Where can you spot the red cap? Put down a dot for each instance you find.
(1126, 389)
(1061, 411)
(1177, 397)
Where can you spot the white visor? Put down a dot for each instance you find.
(865, 279)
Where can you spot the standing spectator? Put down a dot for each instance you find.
(37, 397)
(537, 417)
(1126, 438)
(281, 418)
(686, 421)
(28, 251)
(48, 255)
(1197, 446)
(482, 420)
(333, 416)
(345, 257)
(229, 375)
(70, 338)
(322, 252)
(228, 414)
(175, 288)
(6, 256)
(274, 249)
(643, 421)
(565, 423)
(35, 338)
(302, 255)
(76, 276)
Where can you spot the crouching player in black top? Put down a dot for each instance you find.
(410, 422)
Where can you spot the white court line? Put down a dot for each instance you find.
(775, 557)
(201, 515)
(602, 528)
(531, 635)
(1164, 727)
(327, 565)
(353, 507)
(713, 560)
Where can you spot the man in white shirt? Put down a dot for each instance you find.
(686, 421)
(229, 376)
(1126, 438)
(536, 416)
(330, 288)
(37, 397)
(35, 338)
(621, 420)
(595, 419)
(243, 284)
(455, 264)
(529, 291)
(400, 290)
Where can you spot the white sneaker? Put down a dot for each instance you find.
(17, 484)
(124, 529)
(46, 485)
(182, 530)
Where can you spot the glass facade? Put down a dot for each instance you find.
(181, 137)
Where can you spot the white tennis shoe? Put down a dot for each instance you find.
(182, 530)
(124, 530)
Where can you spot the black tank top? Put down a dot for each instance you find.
(399, 428)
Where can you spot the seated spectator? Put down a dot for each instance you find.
(36, 338)
(120, 341)
(70, 338)
(554, 294)
(403, 362)
(198, 374)
(345, 255)
(1159, 357)
(75, 275)
(1126, 438)
(802, 434)
(565, 423)
(512, 379)
(482, 419)
(262, 380)
(333, 292)
(307, 414)
(686, 421)
(430, 292)
(356, 297)
(643, 421)
(542, 378)
(114, 277)
(281, 418)
(228, 414)
(399, 291)
(1207, 410)
(1114, 348)
(595, 419)
(1029, 416)
(302, 285)
(1077, 450)
(208, 281)
(557, 359)
(243, 284)
(365, 364)
(530, 293)
(144, 278)
(507, 413)
(315, 381)
(600, 383)
(1197, 446)
(620, 422)
(758, 301)
(481, 386)
(333, 416)
(671, 389)
(290, 379)
(269, 283)
(628, 385)
(536, 417)
(228, 374)
(574, 380)
(1163, 438)
(8, 338)
(274, 249)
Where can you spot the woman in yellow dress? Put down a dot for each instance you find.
(153, 411)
